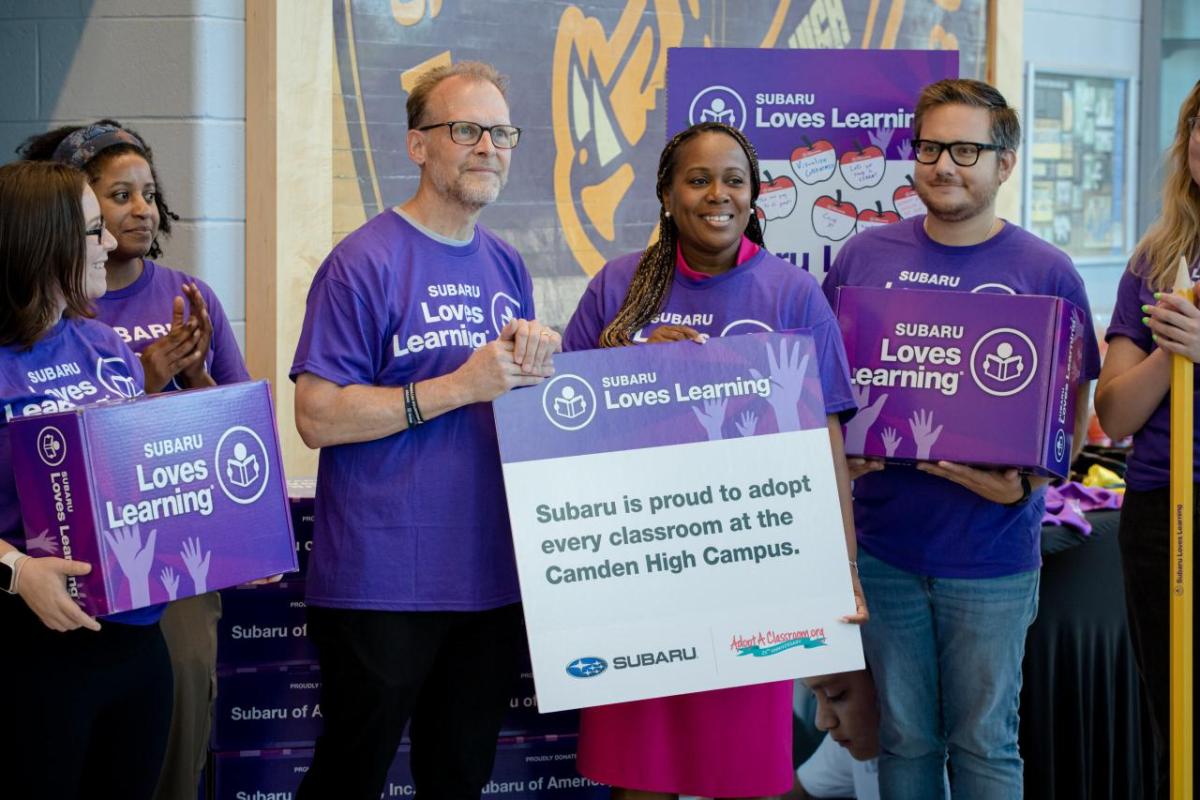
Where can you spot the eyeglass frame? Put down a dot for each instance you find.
(97, 231)
(482, 130)
(946, 147)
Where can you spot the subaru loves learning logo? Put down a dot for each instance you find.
(718, 104)
(504, 308)
(51, 446)
(740, 326)
(1003, 362)
(113, 374)
(1060, 445)
(586, 667)
(569, 402)
(243, 465)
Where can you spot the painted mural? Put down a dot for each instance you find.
(588, 90)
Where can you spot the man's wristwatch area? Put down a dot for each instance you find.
(10, 570)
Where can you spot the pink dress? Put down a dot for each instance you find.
(724, 743)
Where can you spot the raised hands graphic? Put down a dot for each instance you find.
(868, 413)
(43, 542)
(891, 441)
(134, 559)
(712, 417)
(787, 384)
(196, 564)
(170, 582)
(746, 423)
(924, 434)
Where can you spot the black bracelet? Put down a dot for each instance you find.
(412, 412)
(1026, 492)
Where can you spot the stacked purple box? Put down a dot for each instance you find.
(537, 769)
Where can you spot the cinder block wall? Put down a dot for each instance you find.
(171, 69)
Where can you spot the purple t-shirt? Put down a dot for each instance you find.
(765, 293)
(141, 313)
(919, 522)
(78, 362)
(1149, 465)
(417, 520)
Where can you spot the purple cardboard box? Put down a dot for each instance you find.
(264, 625)
(166, 496)
(264, 707)
(531, 769)
(280, 706)
(987, 379)
(301, 494)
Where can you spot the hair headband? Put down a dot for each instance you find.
(82, 145)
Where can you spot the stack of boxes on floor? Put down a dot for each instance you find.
(268, 712)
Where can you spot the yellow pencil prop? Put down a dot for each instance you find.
(1181, 562)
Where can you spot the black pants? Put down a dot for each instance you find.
(1146, 560)
(85, 713)
(450, 672)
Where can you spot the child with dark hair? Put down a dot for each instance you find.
(145, 304)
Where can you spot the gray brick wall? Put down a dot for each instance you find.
(173, 70)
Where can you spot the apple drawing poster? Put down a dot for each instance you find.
(832, 129)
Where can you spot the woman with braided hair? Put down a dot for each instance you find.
(708, 275)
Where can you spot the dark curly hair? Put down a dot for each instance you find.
(651, 281)
(41, 147)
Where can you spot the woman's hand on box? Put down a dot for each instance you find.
(264, 581)
(857, 467)
(42, 584)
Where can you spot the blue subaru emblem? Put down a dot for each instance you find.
(587, 667)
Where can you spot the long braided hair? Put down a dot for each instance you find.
(656, 269)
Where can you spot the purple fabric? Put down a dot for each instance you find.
(1067, 504)
(414, 521)
(1149, 465)
(141, 313)
(922, 523)
(80, 361)
(765, 293)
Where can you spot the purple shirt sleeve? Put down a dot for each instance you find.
(341, 340)
(227, 364)
(1127, 313)
(583, 331)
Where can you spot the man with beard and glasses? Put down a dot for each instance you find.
(949, 555)
(415, 323)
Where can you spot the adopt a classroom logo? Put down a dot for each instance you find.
(569, 402)
(1003, 362)
(763, 644)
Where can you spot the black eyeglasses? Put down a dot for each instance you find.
(468, 133)
(97, 231)
(965, 154)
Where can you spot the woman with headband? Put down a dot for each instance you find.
(709, 265)
(86, 703)
(145, 303)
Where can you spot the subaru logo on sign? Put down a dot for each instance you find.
(569, 402)
(586, 667)
(1060, 445)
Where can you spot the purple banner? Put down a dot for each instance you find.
(603, 401)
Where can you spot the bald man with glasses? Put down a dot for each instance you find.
(414, 324)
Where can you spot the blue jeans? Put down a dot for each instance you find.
(946, 657)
